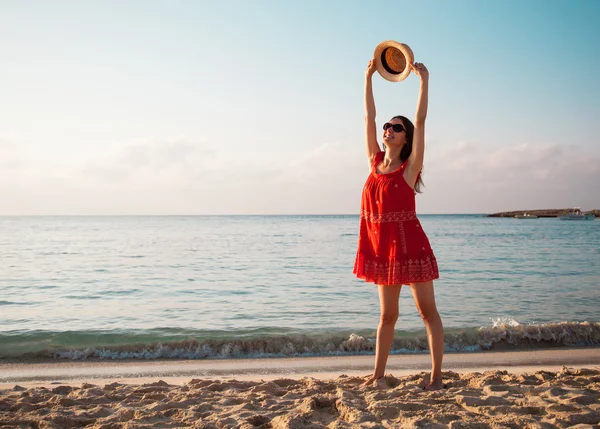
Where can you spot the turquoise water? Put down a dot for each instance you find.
(218, 286)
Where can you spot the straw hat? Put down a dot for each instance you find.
(393, 60)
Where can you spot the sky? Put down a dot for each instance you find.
(256, 107)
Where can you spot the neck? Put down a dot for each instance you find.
(392, 155)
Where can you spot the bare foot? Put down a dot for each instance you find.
(435, 385)
(371, 380)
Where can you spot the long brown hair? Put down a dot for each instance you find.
(407, 148)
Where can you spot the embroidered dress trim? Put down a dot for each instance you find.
(388, 217)
(396, 271)
(402, 238)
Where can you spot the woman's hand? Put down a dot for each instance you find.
(371, 68)
(420, 70)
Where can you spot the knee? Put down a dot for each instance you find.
(389, 318)
(429, 314)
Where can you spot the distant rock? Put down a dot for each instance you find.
(542, 213)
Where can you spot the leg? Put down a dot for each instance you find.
(388, 301)
(425, 300)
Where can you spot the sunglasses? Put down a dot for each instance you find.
(396, 127)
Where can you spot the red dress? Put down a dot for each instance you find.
(393, 249)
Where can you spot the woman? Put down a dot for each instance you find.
(393, 249)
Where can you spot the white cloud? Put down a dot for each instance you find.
(11, 156)
(182, 177)
(470, 177)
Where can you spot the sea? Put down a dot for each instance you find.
(217, 287)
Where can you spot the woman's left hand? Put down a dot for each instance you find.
(420, 70)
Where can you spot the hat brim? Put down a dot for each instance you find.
(384, 70)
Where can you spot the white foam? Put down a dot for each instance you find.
(504, 321)
(503, 334)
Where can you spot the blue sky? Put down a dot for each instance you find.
(245, 107)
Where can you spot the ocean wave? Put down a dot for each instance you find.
(506, 334)
(17, 303)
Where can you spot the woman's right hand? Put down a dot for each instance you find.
(371, 68)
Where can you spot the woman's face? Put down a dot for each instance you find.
(394, 133)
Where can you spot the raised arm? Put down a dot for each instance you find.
(370, 130)
(415, 161)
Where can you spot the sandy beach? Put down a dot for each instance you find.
(526, 389)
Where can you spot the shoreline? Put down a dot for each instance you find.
(180, 371)
(542, 213)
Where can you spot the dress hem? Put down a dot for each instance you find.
(396, 271)
(403, 283)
